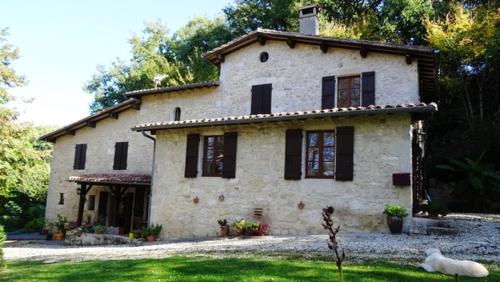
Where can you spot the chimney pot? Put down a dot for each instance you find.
(309, 20)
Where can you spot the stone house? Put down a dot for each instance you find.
(295, 122)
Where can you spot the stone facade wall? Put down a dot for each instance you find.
(296, 77)
(382, 146)
(100, 156)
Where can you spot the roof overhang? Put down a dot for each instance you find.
(427, 58)
(419, 110)
(91, 120)
(112, 179)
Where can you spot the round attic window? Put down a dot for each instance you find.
(264, 56)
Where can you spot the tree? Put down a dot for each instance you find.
(24, 160)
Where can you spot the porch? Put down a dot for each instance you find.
(123, 199)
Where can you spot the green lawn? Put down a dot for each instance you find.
(209, 269)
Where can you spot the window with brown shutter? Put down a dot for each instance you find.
(213, 155)
(368, 88)
(328, 92)
(320, 160)
(261, 99)
(344, 153)
(349, 92)
(293, 154)
(191, 168)
(121, 152)
(80, 156)
(229, 159)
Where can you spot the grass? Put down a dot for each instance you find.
(210, 269)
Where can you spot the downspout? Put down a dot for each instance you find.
(152, 173)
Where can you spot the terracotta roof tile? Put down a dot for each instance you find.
(288, 116)
(197, 85)
(99, 178)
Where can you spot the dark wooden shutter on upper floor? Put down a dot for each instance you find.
(121, 154)
(293, 154)
(368, 88)
(230, 147)
(261, 99)
(80, 156)
(344, 154)
(328, 92)
(192, 147)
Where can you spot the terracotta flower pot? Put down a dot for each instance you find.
(151, 238)
(224, 231)
(58, 236)
(395, 224)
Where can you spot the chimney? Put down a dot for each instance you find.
(309, 20)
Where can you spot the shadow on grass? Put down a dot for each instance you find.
(203, 269)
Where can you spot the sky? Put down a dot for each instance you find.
(62, 42)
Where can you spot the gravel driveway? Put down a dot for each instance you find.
(478, 240)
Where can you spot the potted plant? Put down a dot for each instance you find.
(61, 227)
(224, 228)
(251, 228)
(152, 232)
(263, 229)
(395, 215)
(239, 227)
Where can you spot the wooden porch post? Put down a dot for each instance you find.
(84, 188)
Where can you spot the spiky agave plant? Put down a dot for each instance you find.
(332, 239)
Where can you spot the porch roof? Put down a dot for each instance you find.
(421, 108)
(112, 179)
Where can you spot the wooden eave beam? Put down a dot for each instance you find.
(363, 52)
(114, 115)
(262, 40)
(91, 123)
(408, 59)
(291, 43)
(70, 131)
(324, 48)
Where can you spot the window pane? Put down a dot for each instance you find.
(313, 168)
(343, 98)
(328, 154)
(313, 138)
(328, 169)
(313, 154)
(328, 138)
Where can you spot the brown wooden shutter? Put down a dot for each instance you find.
(261, 99)
(328, 92)
(293, 154)
(191, 168)
(230, 147)
(76, 161)
(80, 156)
(83, 155)
(368, 88)
(345, 152)
(121, 154)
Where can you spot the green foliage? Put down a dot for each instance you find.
(99, 229)
(222, 222)
(152, 230)
(61, 223)
(395, 210)
(8, 77)
(481, 176)
(2, 241)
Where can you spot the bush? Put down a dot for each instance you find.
(2, 240)
(36, 224)
(99, 229)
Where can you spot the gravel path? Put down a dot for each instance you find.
(479, 240)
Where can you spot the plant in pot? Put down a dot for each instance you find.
(239, 226)
(224, 228)
(61, 227)
(152, 232)
(395, 215)
(263, 229)
(252, 228)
